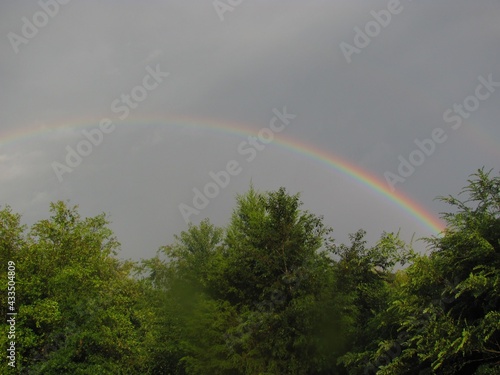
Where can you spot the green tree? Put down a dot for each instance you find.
(274, 272)
(255, 298)
(76, 302)
(180, 279)
(462, 300)
(447, 304)
(366, 280)
(270, 294)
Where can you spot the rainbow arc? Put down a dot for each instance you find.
(314, 153)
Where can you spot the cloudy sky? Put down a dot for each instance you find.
(166, 89)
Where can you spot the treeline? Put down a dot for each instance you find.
(271, 293)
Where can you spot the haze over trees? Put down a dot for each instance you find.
(271, 293)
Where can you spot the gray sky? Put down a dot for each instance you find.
(366, 81)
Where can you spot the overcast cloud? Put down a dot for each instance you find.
(367, 107)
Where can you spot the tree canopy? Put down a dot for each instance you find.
(270, 293)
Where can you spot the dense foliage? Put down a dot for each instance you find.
(271, 293)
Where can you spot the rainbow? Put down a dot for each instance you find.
(330, 160)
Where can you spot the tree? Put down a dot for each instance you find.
(447, 304)
(273, 272)
(271, 293)
(466, 261)
(259, 291)
(366, 281)
(180, 286)
(76, 302)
